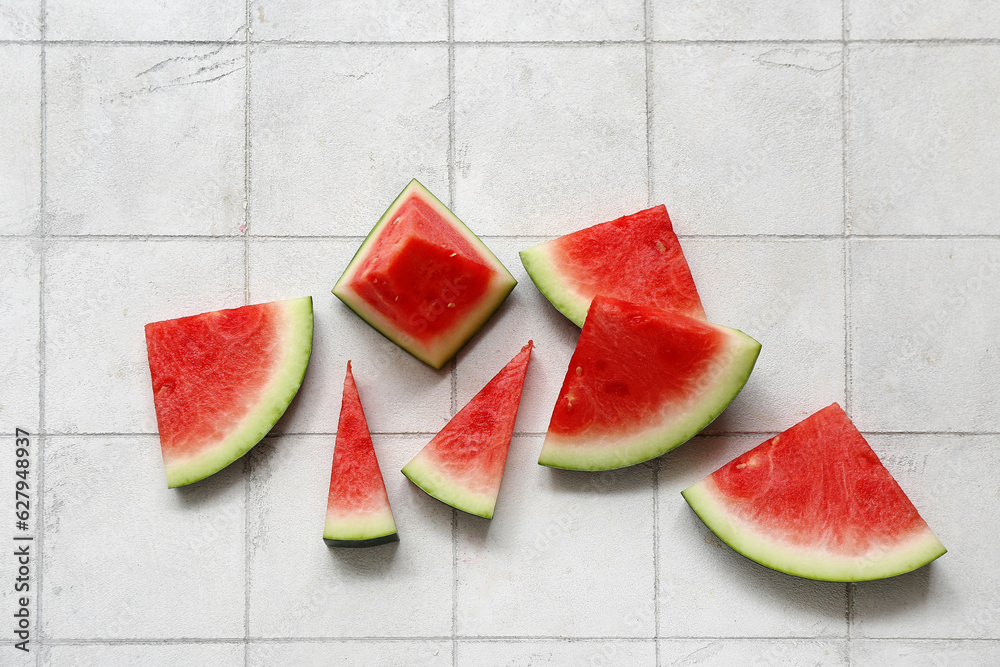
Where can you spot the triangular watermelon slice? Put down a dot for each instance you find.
(463, 464)
(636, 258)
(222, 379)
(816, 502)
(642, 381)
(357, 510)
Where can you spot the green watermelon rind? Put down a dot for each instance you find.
(620, 451)
(501, 286)
(887, 561)
(434, 484)
(540, 267)
(361, 529)
(274, 400)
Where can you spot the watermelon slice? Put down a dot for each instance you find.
(642, 381)
(221, 380)
(357, 510)
(463, 464)
(636, 258)
(815, 501)
(422, 279)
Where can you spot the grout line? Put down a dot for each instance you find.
(248, 462)
(43, 195)
(647, 14)
(76, 641)
(527, 434)
(931, 41)
(454, 363)
(844, 121)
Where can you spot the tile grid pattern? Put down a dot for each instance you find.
(848, 236)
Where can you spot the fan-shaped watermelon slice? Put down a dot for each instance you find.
(636, 258)
(642, 381)
(463, 464)
(423, 279)
(357, 511)
(815, 501)
(222, 379)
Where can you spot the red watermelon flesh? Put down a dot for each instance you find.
(222, 379)
(358, 512)
(423, 279)
(815, 501)
(463, 464)
(636, 258)
(642, 381)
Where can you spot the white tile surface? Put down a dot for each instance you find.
(349, 20)
(349, 654)
(526, 315)
(923, 19)
(788, 295)
(756, 653)
(170, 565)
(708, 590)
(147, 655)
(20, 137)
(19, 20)
(403, 589)
(145, 20)
(98, 297)
(521, 574)
(338, 131)
(399, 393)
(556, 653)
(778, 108)
(145, 140)
(19, 331)
(572, 118)
(952, 482)
(922, 142)
(925, 653)
(924, 334)
(736, 20)
(531, 20)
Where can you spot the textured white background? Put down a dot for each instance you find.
(832, 167)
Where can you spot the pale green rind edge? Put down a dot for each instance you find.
(272, 404)
(498, 291)
(438, 486)
(360, 527)
(888, 562)
(657, 440)
(538, 263)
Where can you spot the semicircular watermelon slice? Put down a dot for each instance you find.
(423, 279)
(222, 379)
(642, 381)
(816, 502)
(636, 258)
(357, 509)
(463, 464)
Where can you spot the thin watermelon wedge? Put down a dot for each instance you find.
(642, 381)
(816, 502)
(636, 258)
(463, 464)
(423, 279)
(222, 379)
(357, 510)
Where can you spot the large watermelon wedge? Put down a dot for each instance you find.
(423, 279)
(463, 464)
(641, 382)
(815, 501)
(222, 379)
(357, 510)
(636, 258)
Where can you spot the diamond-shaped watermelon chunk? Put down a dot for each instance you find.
(423, 279)
(816, 502)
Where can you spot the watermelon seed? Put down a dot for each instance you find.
(453, 254)
(451, 305)
(660, 246)
(741, 466)
(579, 371)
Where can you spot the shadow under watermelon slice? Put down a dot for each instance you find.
(816, 502)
